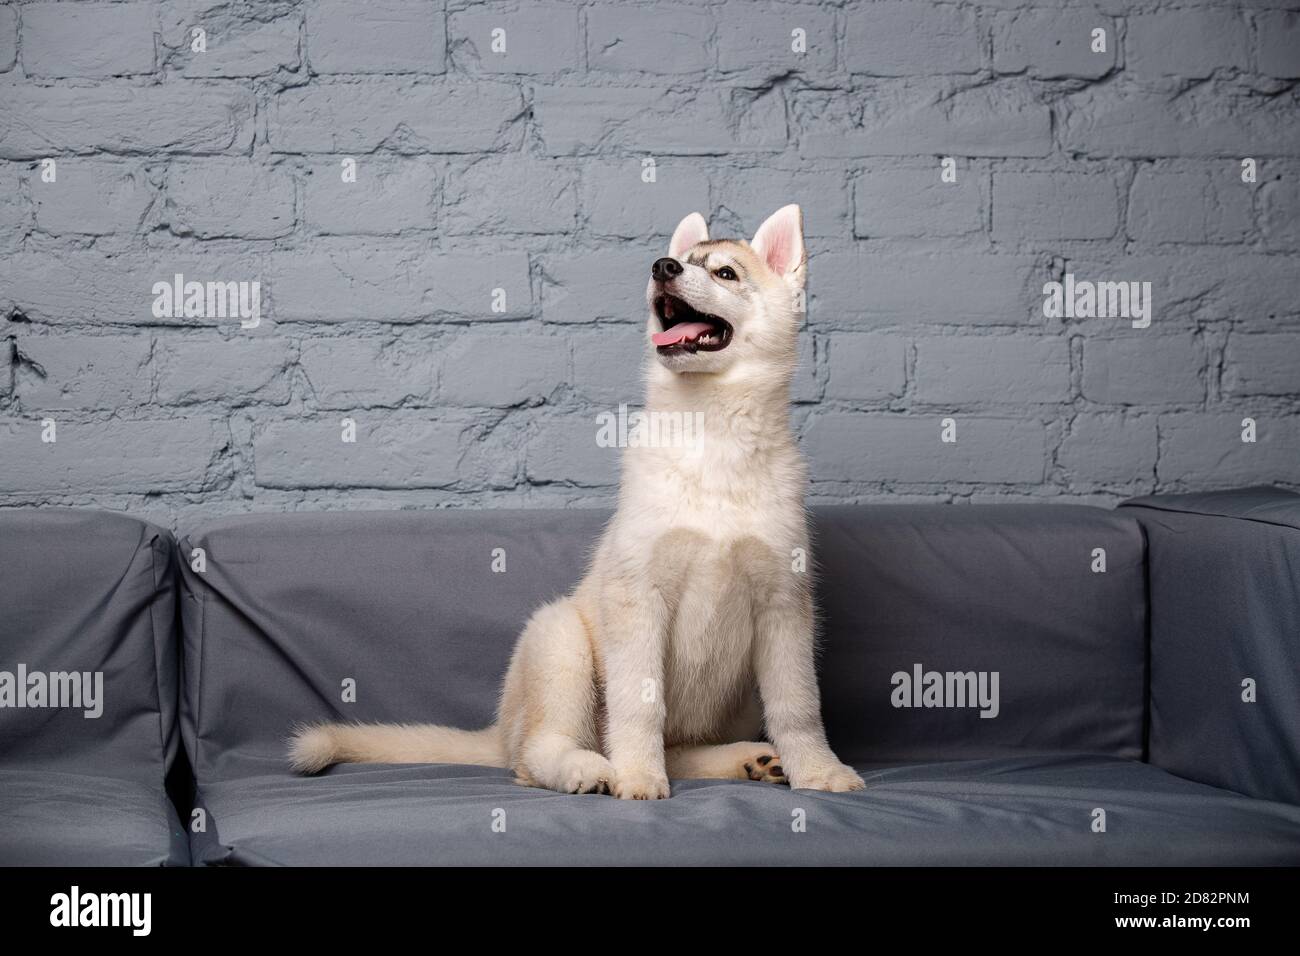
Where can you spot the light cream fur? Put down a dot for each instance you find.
(693, 628)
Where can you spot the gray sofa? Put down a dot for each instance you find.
(1114, 687)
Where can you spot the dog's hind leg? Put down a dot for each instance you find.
(553, 690)
(741, 761)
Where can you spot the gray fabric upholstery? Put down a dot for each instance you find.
(89, 592)
(53, 818)
(1225, 607)
(1006, 589)
(278, 613)
(1026, 810)
(407, 605)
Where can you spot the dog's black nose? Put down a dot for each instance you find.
(665, 269)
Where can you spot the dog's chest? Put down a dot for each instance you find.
(707, 661)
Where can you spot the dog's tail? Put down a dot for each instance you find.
(315, 747)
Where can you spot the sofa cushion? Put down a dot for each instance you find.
(412, 615)
(1225, 637)
(88, 644)
(53, 818)
(1015, 591)
(1025, 810)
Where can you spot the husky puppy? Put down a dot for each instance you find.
(693, 628)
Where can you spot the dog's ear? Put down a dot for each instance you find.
(689, 231)
(779, 243)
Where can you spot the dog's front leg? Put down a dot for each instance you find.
(633, 631)
(787, 681)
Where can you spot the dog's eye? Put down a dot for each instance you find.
(726, 272)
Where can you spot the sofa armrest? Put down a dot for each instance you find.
(1224, 578)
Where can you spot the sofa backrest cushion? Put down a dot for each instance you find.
(960, 595)
(1225, 637)
(412, 615)
(88, 644)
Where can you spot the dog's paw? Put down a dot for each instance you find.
(837, 778)
(760, 762)
(585, 771)
(640, 785)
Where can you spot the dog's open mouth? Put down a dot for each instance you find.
(686, 329)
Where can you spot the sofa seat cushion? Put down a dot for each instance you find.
(1003, 811)
(53, 818)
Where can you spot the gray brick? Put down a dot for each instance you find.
(563, 448)
(238, 369)
(390, 36)
(1194, 285)
(903, 39)
(700, 120)
(134, 457)
(866, 367)
(916, 203)
(607, 363)
(1280, 212)
(1052, 44)
(1054, 206)
(388, 197)
(88, 286)
(1186, 42)
(92, 198)
(1206, 206)
(852, 289)
(8, 37)
(1109, 449)
(872, 447)
(759, 38)
(1206, 450)
(236, 197)
(193, 118)
(751, 194)
(390, 451)
(961, 369)
(1122, 121)
(1263, 364)
(511, 194)
(1141, 368)
(584, 286)
(525, 368)
(83, 371)
(396, 115)
(235, 48)
(14, 205)
(337, 283)
(345, 373)
(994, 121)
(663, 38)
(88, 39)
(1278, 36)
(480, 170)
(540, 38)
(618, 203)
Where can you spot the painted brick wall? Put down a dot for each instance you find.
(473, 299)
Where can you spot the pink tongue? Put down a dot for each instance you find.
(681, 332)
